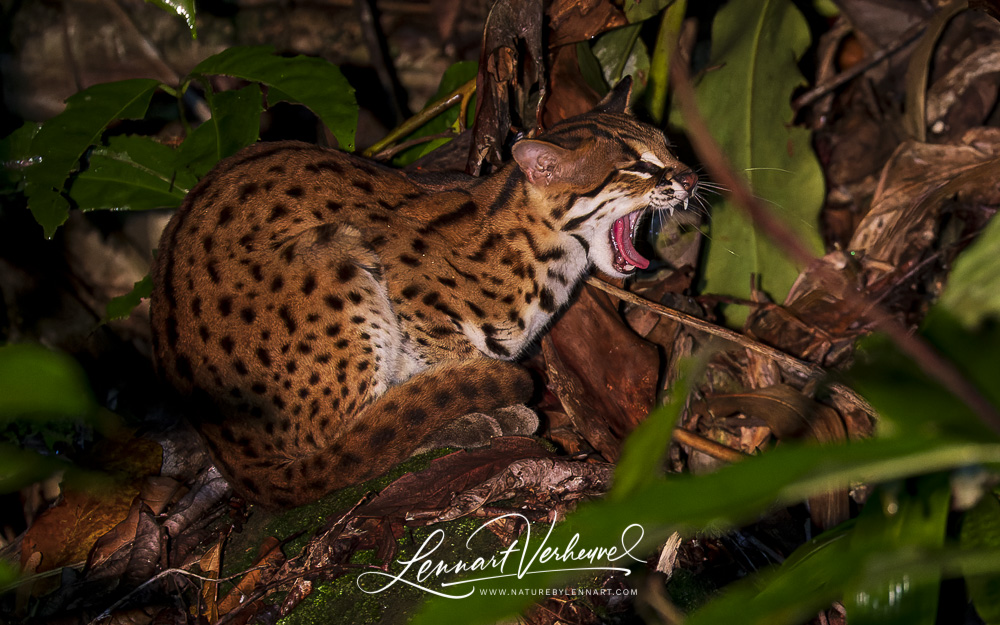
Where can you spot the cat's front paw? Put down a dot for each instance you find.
(476, 429)
(516, 420)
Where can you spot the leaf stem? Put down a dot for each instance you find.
(461, 94)
(659, 67)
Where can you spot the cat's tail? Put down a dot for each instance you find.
(445, 405)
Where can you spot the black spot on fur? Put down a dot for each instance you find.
(346, 272)
(415, 416)
(308, 284)
(382, 436)
(264, 357)
(183, 367)
(334, 302)
(277, 211)
(546, 301)
(286, 317)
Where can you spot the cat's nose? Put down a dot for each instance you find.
(688, 180)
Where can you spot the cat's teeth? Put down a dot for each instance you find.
(621, 239)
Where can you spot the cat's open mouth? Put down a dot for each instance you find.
(627, 259)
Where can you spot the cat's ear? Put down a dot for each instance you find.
(618, 99)
(542, 162)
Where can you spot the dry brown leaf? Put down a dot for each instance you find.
(511, 62)
(270, 556)
(581, 20)
(211, 564)
(914, 184)
(606, 375)
(434, 487)
(790, 415)
(65, 533)
(117, 538)
(158, 491)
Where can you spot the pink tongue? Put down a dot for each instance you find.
(622, 233)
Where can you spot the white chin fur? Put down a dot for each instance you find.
(604, 259)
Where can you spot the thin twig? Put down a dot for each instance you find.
(707, 446)
(908, 37)
(790, 362)
(107, 613)
(388, 153)
(428, 113)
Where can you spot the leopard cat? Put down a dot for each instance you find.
(336, 315)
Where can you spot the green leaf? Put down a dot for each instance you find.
(973, 291)
(131, 173)
(181, 8)
(794, 594)
(235, 124)
(745, 101)
(735, 494)
(590, 68)
(21, 467)
(63, 139)
(38, 383)
(981, 531)
(973, 352)
(908, 401)
(313, 82)
(639, 10)
(454, 77)
(621, 53)
(121, 307)
(8, 575)
(16, 156)
(894, 520)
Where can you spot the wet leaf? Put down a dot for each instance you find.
(896, 521)
(511, 63)
(313, 82)
(131, 173)
(182, 8)
(436, 486)
(63, 139)
(16, 156)
(93, 503)
(571, 21)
